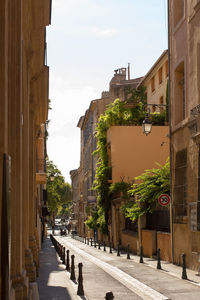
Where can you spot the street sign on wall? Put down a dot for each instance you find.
(164, 199)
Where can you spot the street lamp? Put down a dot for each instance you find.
(52, 177)
(147, 125)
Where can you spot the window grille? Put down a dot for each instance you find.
(159, 220)
(180, 187)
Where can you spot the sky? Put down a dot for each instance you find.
(87, 40)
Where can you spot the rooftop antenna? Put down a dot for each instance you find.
(128, 71)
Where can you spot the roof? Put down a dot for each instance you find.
(84, 118)
(134, 81)
(80, 122)
(153, 67)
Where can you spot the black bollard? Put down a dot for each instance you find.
(110, 247)
(91, 241)
(141, 255)
(67, 262)
(104, 246)
(88, 241)
(95, 245)
(61, 251)
(99, 245)
(80, 290)
(63, 256)
(118, 252)
(184, 274)
(109, 296)
(72, 276)
(128, 252)
(158, 260)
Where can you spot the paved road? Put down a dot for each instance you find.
(103, 272)
(141, 280)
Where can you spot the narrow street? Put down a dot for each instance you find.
(103, 272)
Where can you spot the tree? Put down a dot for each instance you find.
(66, 201)
(146, 191)
(58, 191)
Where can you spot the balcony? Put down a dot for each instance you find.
(41, 176)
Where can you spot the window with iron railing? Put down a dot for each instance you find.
(180, 187)
(179, 93)
(159, 220)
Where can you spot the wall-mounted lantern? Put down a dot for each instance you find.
(147, 125)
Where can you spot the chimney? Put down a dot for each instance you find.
(128, 71)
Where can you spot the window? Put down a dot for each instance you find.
(180, 186)
(158, 220)
(166, 69)
(152, 84)
(179, 94)
(160, 75)
(178, 11)
(161, 104)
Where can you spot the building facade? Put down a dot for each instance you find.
(24, 78)
(184, 53)
(155, 82)
(87, 123)
(75, 200)
(131, 153)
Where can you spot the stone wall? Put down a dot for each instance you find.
(24, 106)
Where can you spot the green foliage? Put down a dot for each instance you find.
(145, 193)
(136, 96)
(59, 195)
(116, 114)
(158, 118)
(117, 187)
(97, 220)
(119, 113)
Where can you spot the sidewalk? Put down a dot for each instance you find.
(53, 281)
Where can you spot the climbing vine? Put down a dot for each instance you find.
(128, 113)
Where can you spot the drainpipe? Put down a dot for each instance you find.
(170, 137)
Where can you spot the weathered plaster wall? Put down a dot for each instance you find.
(132, 152)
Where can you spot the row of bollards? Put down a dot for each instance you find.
(184, 274)
(65, 257)
(103, 244)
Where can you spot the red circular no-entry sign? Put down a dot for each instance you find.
(164, 199)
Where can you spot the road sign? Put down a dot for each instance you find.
(164, 199)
